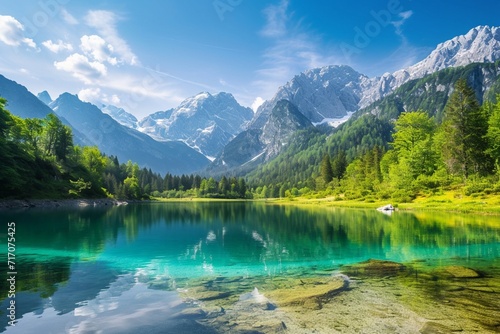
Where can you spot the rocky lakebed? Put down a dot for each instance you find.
(368, 297)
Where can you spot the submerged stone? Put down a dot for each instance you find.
(461, 272)
(373, 267)
(311, 293)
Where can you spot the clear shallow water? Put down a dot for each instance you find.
(118, 269)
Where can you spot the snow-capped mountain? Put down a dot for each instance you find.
(479, 45)
(332, 93)
(320, 94)
(115, 139)
(257, 145)
(205, 122)
(120, 115)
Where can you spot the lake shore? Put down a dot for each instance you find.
(446, 202)
(59, 203)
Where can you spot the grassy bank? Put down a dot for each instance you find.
(451, 201)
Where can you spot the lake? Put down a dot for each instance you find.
(243, 267)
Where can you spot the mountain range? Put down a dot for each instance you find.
(205, 122)
(325, 95)
(216, 127)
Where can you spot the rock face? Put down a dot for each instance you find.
(479, 45)
(44, 97)
(205, 122)
(120, 115)
(320, 93)
(257, 145)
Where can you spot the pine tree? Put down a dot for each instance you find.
(339, 165)
(493, 134)
(326, 169)
(465, 128)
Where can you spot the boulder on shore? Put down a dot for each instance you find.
(386, 208)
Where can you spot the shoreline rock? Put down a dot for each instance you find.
(59, 203)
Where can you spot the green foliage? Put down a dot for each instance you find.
(326, 169)
(493, 133)
(78, 186)
(465, 127)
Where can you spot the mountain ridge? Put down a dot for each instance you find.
(115, 139)
(205, 122)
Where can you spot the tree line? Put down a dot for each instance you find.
(38, 159)
(427, 156)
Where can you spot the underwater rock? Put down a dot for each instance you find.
(374, 268)
(461, 272)
(311, 293)
(255, 299)
(437, 328)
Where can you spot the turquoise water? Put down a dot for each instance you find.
(81, 271)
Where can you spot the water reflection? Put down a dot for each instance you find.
(80, 261)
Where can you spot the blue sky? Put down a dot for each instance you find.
(150, 55)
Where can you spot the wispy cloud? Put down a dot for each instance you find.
(277, 17)
(398, 25)
(293, 50)
(68, 18)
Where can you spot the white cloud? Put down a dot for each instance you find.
(82, 68)
(257, 103)
(92, 95)
(98, 49)
(68, 18)
(96, 96)
(105, 23)
(57, 47)
(11, 32)
(114, 99)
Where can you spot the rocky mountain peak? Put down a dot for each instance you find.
(481, 44)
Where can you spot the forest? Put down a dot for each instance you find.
(423, 155)
(416, 153)
(39, 160)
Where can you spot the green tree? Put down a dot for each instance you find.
(33, 134)
(326, 169)
(465, 143)
(493, 134)
(339, 165)
(413, 141)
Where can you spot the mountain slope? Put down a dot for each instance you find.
(44, 97)
(481, 44)
(254, 146)
(20, 101)
(319, 94)
(120, 115)
(373, 125)
(24, 104)
(125, 143)
(205, 122)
